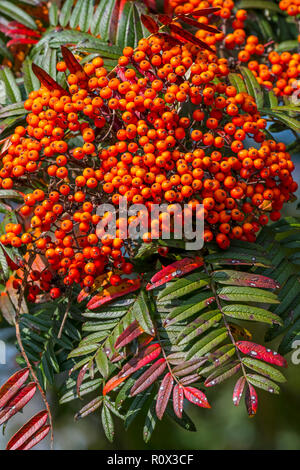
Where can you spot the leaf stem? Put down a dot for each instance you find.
(219, 305)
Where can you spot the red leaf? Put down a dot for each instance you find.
(113, 383)
(114, 292)
(36, 438)
(72, 63)
(178, 400)
(190, 379)
(194, 395)
(149, 23)
(252, 280)
(260, 352)
(46, 80)
(145, 356)
(12, 385)
(17, 402)
(99, 281)
(26, 431)
(214, 379)
(89, 408)
(21, 41)
(189, 37)
(177, 269)
(163, 395)
(10, 262)
(80, 378)
(204, 11)
(129, 334)
(148, 377)
(165, 19)
(169, 39)
(238, 391)
(22, 31)
(251, 400)
(198, 25)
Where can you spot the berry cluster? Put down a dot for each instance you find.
(292, 7)
(280, 72)
(165, 126)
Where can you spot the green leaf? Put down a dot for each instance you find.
(253, 87)
(14, 109)
(273, 101)
(288, 109)
(290, 122)
(11, 87)
(260, 5)
(106, 18)
(86, 15)
(139, 30)
(207, 343)
(10, 194)
(65, 12)
(141, 312)
(264, 383)
(106, 314)
(136, 406)
(49, 62)
(83, 350)
(188, 308)
(287, 46)
(53, 14)
(13, 12)
(247, 294)
(150, 423)
(85, 388)
(4, 265)
(47, 369)
(107, 422)
(97, 18)
(102, 363)
(199, 326)
(237, 82)
(237, 256)
(246, 312)
(183, 286)
(286, 344)
(76, 14)
(112, 407)
(125, 32)
(84, 42)
(264, 369)
(31, 82)
(185, 422)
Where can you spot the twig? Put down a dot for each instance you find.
(213, 288)
(64, 318)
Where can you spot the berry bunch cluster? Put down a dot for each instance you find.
(292, 7)
(127, 134)
(280, 72)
